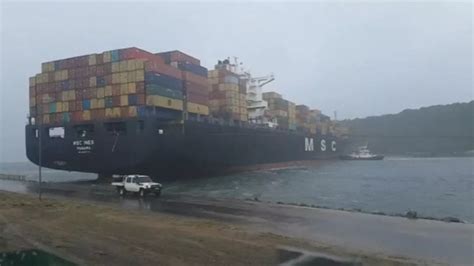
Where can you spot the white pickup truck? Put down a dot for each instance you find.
(140, 184)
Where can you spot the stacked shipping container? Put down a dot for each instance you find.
(227, 95)
(121, 83)
(281, 109)
(195, 82)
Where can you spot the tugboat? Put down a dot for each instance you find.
(362, 154)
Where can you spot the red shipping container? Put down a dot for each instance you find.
(72, 73)
(124, 111)
(188, 76)
(140, 87)
(140, 98)
(91, 71)
(115, 89)
(72, 106)
(77, 116)
(108, 79)
(136, 53)
(116, 101)
(107, 69)
(199, 99)
(100, 70)
(50, 77)
(32, 91)
(78, 106)
(178, 56)
(98, 114)
(99, 59)
(162, 68)
(196, 88)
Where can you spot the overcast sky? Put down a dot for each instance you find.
(360, 59)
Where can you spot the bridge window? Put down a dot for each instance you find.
(116, 128)
(56, 132)
(83, 131)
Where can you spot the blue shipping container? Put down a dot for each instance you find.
(86, 104)
(64, 85)
(52, 107)
(66, 117)
(108, 102)
(195, 69)
(101, 81)
(115, 55)
(132, 99)
(163, 80)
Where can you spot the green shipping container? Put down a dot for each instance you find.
(153, 89)
(52, 108)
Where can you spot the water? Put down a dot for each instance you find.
(30, 171)
(434, 187)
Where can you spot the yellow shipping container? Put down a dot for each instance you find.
(131, 76)
(59, 107)
(92, 60)
(47, 67)
(115, 67)
(72, 95)
(60, 75)
(115, 78)
(132, 88)
(42, 78)
(107, 91)
(92, 81)
(93, 103)
(229, 87)
(197, 108)
(232, 109)
(132, 111)
(139, 75)
(100, 103)
(112, 112)
(101, 92)
(86, 115)
(65, 106)
(165, 102)
(123, 66)
(123, 88)
(124, 100)
(139, 64)
(123, 77)
(213, 73)
(32, 81)
(107, 56)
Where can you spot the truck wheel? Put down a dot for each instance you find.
(142, 192)
(158, 193)
(122, 191)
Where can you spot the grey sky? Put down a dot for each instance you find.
(360, 59)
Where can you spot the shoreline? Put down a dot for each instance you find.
(86, 233)
(105, 188)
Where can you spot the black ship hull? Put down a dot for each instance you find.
(170, 149)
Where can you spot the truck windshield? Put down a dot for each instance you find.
(143, 179)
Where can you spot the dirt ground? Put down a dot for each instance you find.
(99, 234)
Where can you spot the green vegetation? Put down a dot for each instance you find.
(434, 130)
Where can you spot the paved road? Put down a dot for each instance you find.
(431, 241)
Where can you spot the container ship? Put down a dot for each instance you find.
(163, 114)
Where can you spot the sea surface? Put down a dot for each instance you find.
(433, 187)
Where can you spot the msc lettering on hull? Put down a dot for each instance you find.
(309, 145)
(83, 146)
